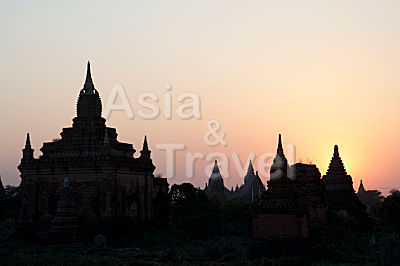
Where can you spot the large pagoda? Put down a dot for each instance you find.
(279, 213)
(105, 178)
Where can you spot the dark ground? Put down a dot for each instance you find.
(210, 232)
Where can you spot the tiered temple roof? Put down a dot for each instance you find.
(339, 186)
(103, 172)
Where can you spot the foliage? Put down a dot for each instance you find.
(196, 216)
(207, 232)
(390, 212)
(10, 202)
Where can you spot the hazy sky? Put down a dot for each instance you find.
(319, 72)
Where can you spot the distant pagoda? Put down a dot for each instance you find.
(370, 198)
(215, 187)
(252, 188)
(279, 213)
(340, 191)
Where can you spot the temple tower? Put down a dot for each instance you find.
(279, 213)
(339, 186)
(27, 152)
(103, 173)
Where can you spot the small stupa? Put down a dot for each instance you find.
(65, 225)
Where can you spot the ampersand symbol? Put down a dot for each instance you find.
(213, 127)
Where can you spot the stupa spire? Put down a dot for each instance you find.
(28, 141)
(216, 168)
(145, 145)
(336, 151)
(89, 103)
(27, 152)
(280, 165)
(88, 87)
(336, 166)
(250, 170)
(145, 152)
(361, 187)
(215, 173)
(279, 150)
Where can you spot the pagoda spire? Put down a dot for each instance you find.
(28, 141)
(88, 87)
(250, 170)
(336, 151)
(27, 152)
(361, 187)
(279, 150)
(89, 102)
(280, 165)
(336, 166)
(145, 152)
(215, 173)
(216, 168)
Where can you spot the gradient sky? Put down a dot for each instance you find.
(319, 72)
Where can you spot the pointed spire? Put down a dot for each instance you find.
(215, 174)
(28, 141)
(145, 152)
(88, 87)
(336, 151)
(216, 168)
(280, 165)
(279, 151)
(361, 187)
(27, 152)
(336, 166)
(250, 170)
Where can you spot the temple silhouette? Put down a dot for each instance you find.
(87, 175)
(340, 191)
(296, 196)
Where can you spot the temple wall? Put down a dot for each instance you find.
(97, 194)
(279, 225)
